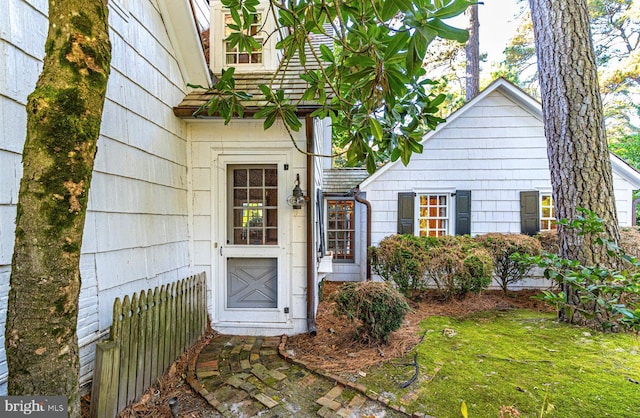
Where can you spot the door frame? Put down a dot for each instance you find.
(220, 250)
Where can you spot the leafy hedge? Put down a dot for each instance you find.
(509, 270)
(379, 307)
(455, 265)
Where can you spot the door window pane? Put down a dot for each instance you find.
(254, 206)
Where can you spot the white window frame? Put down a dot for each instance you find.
(218, 56)
(450, 209)
(549, 220)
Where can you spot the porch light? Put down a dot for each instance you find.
(297, 199)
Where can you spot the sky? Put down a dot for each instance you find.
(497, 26)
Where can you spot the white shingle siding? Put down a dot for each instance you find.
(136, 232)
(496, 148)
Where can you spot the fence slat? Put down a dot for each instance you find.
(133, 348)
(124, 353)
(148, 333)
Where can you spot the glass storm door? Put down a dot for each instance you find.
(252, 251)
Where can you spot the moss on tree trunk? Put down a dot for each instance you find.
(574, 126)
(64, 113)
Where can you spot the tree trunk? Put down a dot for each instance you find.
(574, 126)
(472, 51)
(63, 123)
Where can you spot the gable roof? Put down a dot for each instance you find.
(288, 80)
(521, 98)
(185, 39)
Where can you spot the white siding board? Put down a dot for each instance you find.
(12, 128)
(7, 237)
(136, 230)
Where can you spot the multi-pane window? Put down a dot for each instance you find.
(341, 229)
(433, 215)
(254, 205)
(233, 54)
(547, 213)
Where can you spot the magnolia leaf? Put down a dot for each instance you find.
(448, 32)
(453, 9)
(376, 128)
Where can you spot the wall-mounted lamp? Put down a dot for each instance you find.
(297, 199)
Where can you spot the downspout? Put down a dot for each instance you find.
(356, 195)
(311, 286)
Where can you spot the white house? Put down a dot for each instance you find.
(173, 195)
(484, 170)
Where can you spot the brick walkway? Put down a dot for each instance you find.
(250, 376)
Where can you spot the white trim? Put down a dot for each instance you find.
(185, 39)
(450, 208)
(229, 317)
(216, 41)
(623, 169)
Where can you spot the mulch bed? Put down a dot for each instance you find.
(334, 349)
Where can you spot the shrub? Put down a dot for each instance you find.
(400, 258)
(457, 265)
(501, 247)
(548, 240)
(378, 306)
(602, 297)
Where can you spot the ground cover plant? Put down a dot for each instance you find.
(516, 359)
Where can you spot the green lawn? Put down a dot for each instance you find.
(516, 358)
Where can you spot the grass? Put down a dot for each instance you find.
(515, 358)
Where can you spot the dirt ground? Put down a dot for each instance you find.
(332, 349)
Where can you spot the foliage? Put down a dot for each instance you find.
(615, 27)
(607, 299)
(456, 265)
(502, 247)
(401, 259)
(372, 83)
(379, 307)
(515, 357)
(628, 148)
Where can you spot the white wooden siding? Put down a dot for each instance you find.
(496, 149)
(246, 136)
(136, 232)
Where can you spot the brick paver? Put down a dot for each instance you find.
(250, 376)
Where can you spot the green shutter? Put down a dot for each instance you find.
(405, 212)
(463, 212)
(530, 212)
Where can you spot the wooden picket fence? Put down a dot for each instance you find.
(149, 332)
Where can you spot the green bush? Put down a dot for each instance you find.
(401, 259)
(377, 305)
(596, 296)
(501, 247)
(457, 266)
